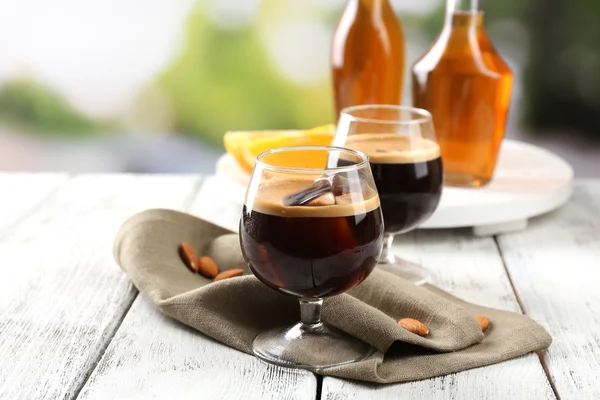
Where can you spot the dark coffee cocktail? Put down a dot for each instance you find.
(408, 175)
(310, 251)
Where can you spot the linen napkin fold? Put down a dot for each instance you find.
(233, 311)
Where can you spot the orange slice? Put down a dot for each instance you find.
(236, 142)
(245, 146)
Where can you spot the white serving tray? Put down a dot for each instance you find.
(529, 181)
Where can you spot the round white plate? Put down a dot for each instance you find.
(529, 181)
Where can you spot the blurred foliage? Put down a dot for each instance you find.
(562, 77)
(30, 106)
(224, 80)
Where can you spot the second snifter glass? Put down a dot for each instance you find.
(407, 168)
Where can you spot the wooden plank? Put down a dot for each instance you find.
(218, 203)
(62, 296)
(170, 360)
(555, 269)
(22, 193)
(153, 356)
(471, 268)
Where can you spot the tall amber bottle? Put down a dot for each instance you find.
(466, 86)
(367, 55)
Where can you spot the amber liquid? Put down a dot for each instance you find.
(466, 86)
(367, 55)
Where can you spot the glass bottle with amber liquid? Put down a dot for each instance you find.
(466, 85)
(367, 55)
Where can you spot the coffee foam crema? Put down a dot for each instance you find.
(269, 200)
(389, 148)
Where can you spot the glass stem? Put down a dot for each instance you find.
(387, 255)
(310, 314)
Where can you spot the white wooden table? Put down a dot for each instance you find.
(72, 325)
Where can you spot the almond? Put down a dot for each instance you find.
(230, 273)
(207, 267)
(414, 326)
(189, 256)
(483, 321)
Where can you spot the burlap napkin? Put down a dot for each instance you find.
(234, 311)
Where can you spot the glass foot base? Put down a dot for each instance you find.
(316, 348)
(406, 270)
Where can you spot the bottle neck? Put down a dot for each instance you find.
(466, 14)
(374, 4)
(462, 6)
(375, 8)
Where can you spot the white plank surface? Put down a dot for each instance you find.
(152, 356)
(217, 203)
(61, 293)
(555, 268)
(470, 268)
(22, 193)
(62, 298)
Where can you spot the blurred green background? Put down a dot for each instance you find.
(152, 87)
